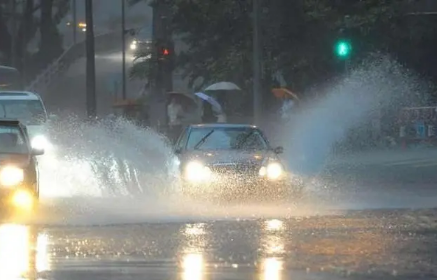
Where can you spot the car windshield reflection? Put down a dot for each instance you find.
(244, 138)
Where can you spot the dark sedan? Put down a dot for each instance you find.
(235, 159)
(19, 185)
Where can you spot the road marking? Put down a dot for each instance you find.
(410, 162)
(430, 163)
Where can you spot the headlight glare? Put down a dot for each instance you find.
(23, 199)
(272, 171)
(11, 176)
(39, 142)
(196, 171)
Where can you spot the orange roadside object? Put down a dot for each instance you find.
(284, 93)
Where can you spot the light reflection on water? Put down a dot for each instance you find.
(272, 269)
(23, 252)
(272, 249)
(194, 243)
(193, 267)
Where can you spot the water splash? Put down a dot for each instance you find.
(105, 158)
(96, 166)
(379, 83)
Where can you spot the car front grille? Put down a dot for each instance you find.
(236, 169)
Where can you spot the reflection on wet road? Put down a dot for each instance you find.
(377, 243)
(23, 252)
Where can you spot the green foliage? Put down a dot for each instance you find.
(297, 38)
(30, 17)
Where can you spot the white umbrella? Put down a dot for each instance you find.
(215, 105)
(223, 86)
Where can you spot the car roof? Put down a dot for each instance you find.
(18, 95)
(222, 125)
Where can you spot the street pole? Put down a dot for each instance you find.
(13, 34)
(347, 66)
(74, 22)
(24, 45)
(90, 61)
(162, 81)
(256, 63)
(123, 47)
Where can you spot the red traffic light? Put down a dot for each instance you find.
(165, 52)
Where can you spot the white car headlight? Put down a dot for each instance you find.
(39, 142)
(11, 176)
(196, 171)
(273, 171)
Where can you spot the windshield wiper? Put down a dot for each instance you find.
(242, 141)
(203, 139)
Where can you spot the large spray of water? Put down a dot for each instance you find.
(106, 158)
(378, 84)
(116, 159)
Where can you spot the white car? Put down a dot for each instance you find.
(29, 109)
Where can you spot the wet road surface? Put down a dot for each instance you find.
(334, 244)
(356, 244)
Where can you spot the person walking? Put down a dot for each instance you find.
(175, 113)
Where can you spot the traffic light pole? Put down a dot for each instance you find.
(163, 76)
(90, 61)
(14, 30)
(74, 21)
(256, 64)
(123, 49)
(347, 66)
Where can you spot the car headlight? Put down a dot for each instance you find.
(272, 171)
(196, 171)
(23, 199)
(39, 142)
(11, 176)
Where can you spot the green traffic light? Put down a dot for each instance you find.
(343, 49)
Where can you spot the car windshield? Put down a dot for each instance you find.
(29, 112)
(227, 138)
(12, 140)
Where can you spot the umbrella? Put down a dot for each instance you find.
(284, 93)
(223, 86)
(185, 100)
(215, 105)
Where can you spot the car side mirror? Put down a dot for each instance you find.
(37, 152)
(278, 150)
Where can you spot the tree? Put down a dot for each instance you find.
(28, 23)
(297, 38)
(52, 12)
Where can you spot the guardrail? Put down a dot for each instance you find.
(102, 42)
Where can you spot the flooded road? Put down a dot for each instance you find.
(391, 232)
(354, 244)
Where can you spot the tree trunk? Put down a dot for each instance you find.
(51, 43)
(26, 31)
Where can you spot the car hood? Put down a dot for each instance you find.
(14, 159)
(212, 157)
